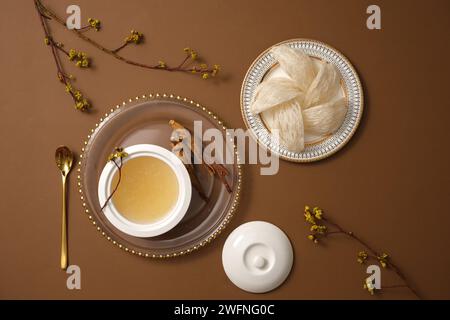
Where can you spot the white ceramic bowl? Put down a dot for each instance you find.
(172, 218)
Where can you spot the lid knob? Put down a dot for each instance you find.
(259, 262)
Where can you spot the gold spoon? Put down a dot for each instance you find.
(64, 159)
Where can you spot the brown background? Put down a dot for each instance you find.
(390, 184)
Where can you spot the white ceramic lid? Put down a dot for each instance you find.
(257, 256)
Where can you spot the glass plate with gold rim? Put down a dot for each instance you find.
(145, 120)
(265, 66)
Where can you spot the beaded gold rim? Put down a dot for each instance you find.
(235, 202)
(328, 150)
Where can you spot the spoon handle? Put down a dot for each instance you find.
(64, 227)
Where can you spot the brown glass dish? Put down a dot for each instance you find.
(145, 119)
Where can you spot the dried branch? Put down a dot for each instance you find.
(320, 229)
(189, 63)
(216, 169)
(117, 154)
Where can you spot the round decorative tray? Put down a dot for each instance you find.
(145, 119)
(265, 66)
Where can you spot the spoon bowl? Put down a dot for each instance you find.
(64, 159)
